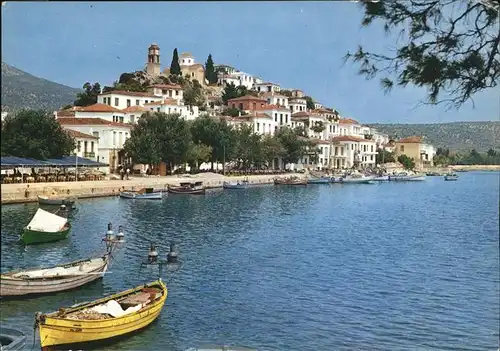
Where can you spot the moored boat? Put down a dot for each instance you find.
(238, 185)
(451, 177)
(432, 174)
(355, 179)
(384, 178)
(405, 177)
(144, 193)
(193, 188)
(45, 227)
(53, 279)
(11, 339)
(56, 200)
(319, 180)
(112, 316)
(290, 181)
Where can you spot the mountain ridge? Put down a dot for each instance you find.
(24, 90)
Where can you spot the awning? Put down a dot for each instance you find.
(8, 162)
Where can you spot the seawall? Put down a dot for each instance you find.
(22, 193)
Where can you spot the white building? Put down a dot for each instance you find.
(227, 79)
(297, 105)
(98, 110)
(267, 87)
(111, 137)
(87, 145)
(164, 91)
(349, 150)
(171, 106)
(275, 99)
(122, 99)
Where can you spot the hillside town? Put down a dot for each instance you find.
(100, 130)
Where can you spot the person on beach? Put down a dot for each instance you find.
(122, 173)
(128, 172)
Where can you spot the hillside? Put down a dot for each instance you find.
(456, 136)
(23, 90)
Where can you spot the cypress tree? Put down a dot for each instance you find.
(210, 74)
(175, 68)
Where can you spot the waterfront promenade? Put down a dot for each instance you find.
(20, 193)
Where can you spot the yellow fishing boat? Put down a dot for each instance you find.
(103, 319)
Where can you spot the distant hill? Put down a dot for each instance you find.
(456, 135)
(23, 90)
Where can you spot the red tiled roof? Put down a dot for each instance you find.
(90, 121)
(297, 98)
(268, 83)
(99, 108)
(77, 134)
(348, 138)
(320, 141)
(271, 93)
(412, 139)
(135, 108)
(247, 98)
(348, 121)
(196, 65)
(128, 93)
(301, 114)
(166, 86)
(259, 115)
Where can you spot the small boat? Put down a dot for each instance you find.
(405, 177)
(384, 178)
(112, 316)
(56, 200)
(450, 177)
(11, 339)
(356, 179)
(432, 174)
(45, 227)
(53, 279)
(238, 185)
(290, 181)
(319, 180)
(193, 188)
(144, 193)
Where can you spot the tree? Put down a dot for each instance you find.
(491, 153)
(309, 102)
(193, 94)
(35, 134)
(159, 137)
(89, 95)
(384, 156)
(248, 146)
(210, 73)
(294, 146)
(447, 47)
(271, 149)
(230, 92)
(318, 127)
(407, 162)
(197, 153)
(175, 68)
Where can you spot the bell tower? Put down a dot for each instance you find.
(153, 66)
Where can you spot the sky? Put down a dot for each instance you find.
(298, 45)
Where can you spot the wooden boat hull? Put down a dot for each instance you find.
(182, 190)
(234, 186)
(30, 237)
(57, 330)
(16, 287)
(146, 196)
(42, 200)
(12, 339)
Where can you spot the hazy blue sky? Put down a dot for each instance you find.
(295, 44)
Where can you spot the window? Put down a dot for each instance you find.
(281, 118)
(91, 146)
(116, 101)
(121, 119)
(85, 147)
(120, 139)
(258, 126)
(114, 139)
(79, 146)
(269, 89)
(146, 101)
(137, 102)
(158, 109)
(170, 93)
(176, 92)
(341, 151)
(128, 103)
(241, 106)
(132, 119)
(371, 148)
(402, 148)
(286, 118)
(276, 117)
(371, 157)
(352, 146)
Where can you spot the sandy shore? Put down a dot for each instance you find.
(21, 193)
(477, 167)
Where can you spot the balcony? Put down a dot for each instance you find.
(89, 154)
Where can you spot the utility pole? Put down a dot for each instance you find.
(224, 159)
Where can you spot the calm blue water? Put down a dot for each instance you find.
(394, 266)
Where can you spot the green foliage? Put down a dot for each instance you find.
(35, 134)
(193, 94)
(294, 145)
(231, 92)
(286, 92)
(89, 95)
(197, 154)
(318, 127)
(234, 112)
(210, 73)
(309, 102)
(271, 148)
(384, 156)
(175, 68)
(445, 46)
(407, 162)
(159, 137)
(21, 90)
